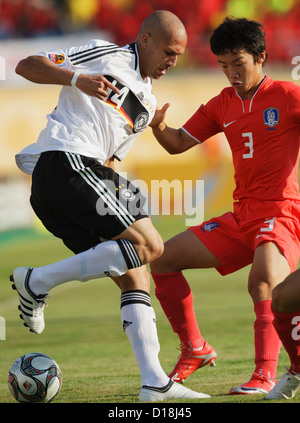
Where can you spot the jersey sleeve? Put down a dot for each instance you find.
(78, 57)
(58, 57)
(205, 122)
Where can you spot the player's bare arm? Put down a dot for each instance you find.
(41, 70)
(174, 141)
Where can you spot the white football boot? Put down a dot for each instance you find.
(286, 388)
(171, 391)
(31, 306)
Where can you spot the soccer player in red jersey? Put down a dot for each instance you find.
(260, 118)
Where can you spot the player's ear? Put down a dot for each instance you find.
(145, 40)
(262, 57)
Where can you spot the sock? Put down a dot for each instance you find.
(103, 260)
(176, 299)
(287, 326)
(266, 340)
(139, 324)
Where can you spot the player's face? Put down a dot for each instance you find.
(243, 73)
(159, 56)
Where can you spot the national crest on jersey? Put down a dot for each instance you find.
(271, 117)
(210, 226)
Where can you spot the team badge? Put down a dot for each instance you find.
(210, 226)
(57, 59)
(271, 117)
(140, 122)
(127, 194)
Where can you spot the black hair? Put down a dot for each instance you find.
(236, 34)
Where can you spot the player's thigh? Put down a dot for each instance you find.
(184, 251)
(286, 295)
(269, 268)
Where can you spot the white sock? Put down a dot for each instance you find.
(139, 324)
(106, 259)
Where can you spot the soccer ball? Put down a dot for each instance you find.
(34, 377)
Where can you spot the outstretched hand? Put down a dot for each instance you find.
(159, 116)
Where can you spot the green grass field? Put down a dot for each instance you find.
(84, 332)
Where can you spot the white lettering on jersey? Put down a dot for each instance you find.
(119, 98)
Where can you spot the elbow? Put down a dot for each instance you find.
(25, 66)
(20, 68)
(179, 143)
(173, 151)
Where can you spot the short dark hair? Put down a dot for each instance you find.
(236, 34)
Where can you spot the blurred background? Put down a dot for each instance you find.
(30, 26)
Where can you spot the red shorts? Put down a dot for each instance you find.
(233, 237)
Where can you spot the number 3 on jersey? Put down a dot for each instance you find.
(248, 144)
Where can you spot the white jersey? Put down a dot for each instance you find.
(86, 125)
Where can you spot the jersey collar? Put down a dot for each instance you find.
(262, 84)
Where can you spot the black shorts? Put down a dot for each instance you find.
(82, 202)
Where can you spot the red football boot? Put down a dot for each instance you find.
(192, 359)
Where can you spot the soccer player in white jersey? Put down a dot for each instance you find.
(105, 102)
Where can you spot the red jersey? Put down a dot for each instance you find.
(263, 134)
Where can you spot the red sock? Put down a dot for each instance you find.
(176, 298)
(267, 342)
(287, 326)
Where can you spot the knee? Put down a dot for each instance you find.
(259, 291)
(159, 265)
(149, 248)
(153, 248)
(260, 285)
(145, 239)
